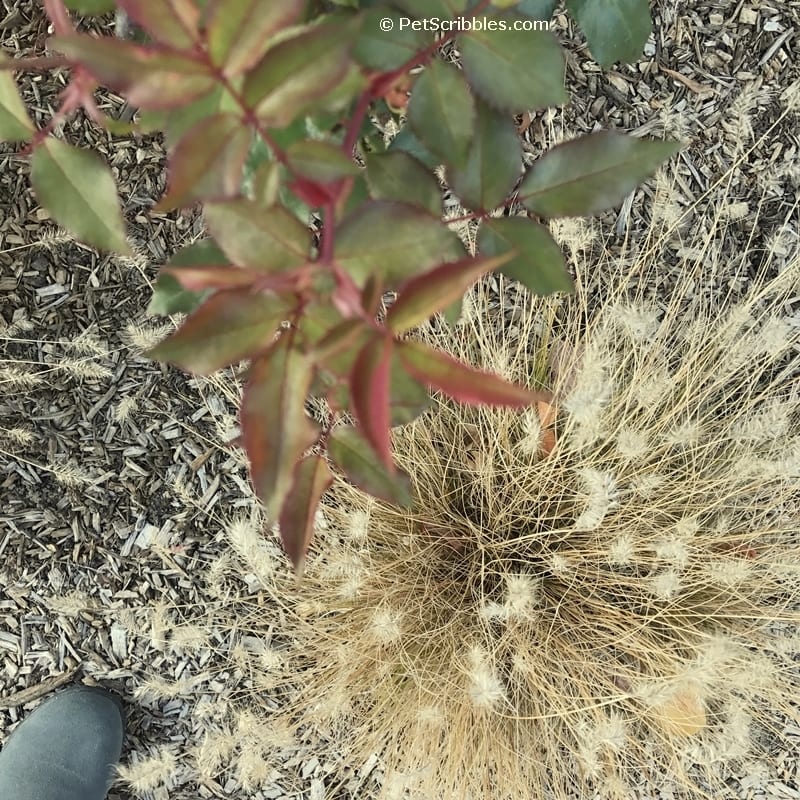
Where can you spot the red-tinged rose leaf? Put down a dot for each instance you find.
(462, 382)
(353, 194)
(340, 99)
(353, 455)
(299, 72)
(372, 295)
(394, 240)
(423, 295)
(178, 121)
(369, 389)
(30, 64)
(335, 352)
(275, 429)
(172, 22)
(311, 479)
(342, 338)
(320, 162)
(197, 279)
(231, 325)
(207, 162)
(312, 194)
(239, 33)
(149, 77)
(76, 186)
(269, 239)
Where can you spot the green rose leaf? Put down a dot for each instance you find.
(433, 9)
(384, 50)
(591, 173)
(15, 124)
(539, 263)
(441, 112)
(357, 196)
(408, 397)
(493, 165)
(90, 8)
(252, 236)
(169, 296)
(537, 9)
(453, 312)
(407, 142)
(320, 161)
(399, 176)
(514, 70)
(616, 30)
(76, 186)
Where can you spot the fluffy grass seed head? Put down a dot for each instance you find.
(156, 770)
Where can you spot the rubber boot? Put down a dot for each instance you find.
(66, 749)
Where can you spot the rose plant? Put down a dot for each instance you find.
(269, 112)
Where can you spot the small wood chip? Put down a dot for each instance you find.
(690, 84)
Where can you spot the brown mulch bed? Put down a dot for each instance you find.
(107, 453)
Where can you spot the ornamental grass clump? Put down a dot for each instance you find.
(591, 594)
